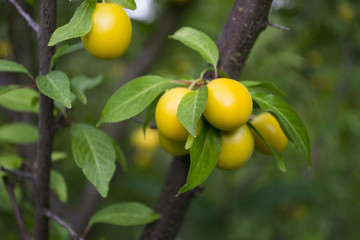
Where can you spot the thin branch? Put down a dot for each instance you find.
(18, 216)
(17, 173)
(278, 26)
(26, 16)
(56, 218)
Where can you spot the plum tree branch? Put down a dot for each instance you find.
(46, 123)
(20, 222)
(247, 19)
(56, 218)
(26, 16)
(17, 173)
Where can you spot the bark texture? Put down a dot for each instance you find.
(247, 19)
(46, 123)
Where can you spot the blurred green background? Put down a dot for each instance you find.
(317, 64)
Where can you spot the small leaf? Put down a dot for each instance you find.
(63, 50)
(191, 107)
(130, 4)
(204, 153)
(55, 85)
(119, 155)
(10, 66)
(57, 156)
(266, 85)
(79, 25)
(133, 97)
(10, 161)
(125, 214)
(149, 113)
(58, 185)
(20, 100)
(200, 42)
(277, 155)
(189, 141)
(94, 153)
(18, 133)
(289, 121)
(80, 84)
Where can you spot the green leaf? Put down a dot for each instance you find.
(130, 4)
(266, 85)
(125, 214)
(56, 156)
(21, 100)
(18, 133)
(80, 84)
(55, 85)
(10, 161)
(58, 185)
(94, 154)
(289, 120)
(119, 155)
(204, 153)
(149, 113)
(191, 107)
(5, 89)
(63, 50)
(10, 66)
(189, 141)
(133, 97)
(200, 42)
(79, 25)
(277, 155)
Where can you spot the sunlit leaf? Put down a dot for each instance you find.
(22, 100)
(204, 153)
(55, 85)
(11, 66)
(94, 153)
(79, 25)
(200, 42)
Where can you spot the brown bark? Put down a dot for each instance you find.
(46, 122)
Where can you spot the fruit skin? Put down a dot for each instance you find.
(237, 147)
(165, 114)
(110, 34)
(229, 104)
(149, 141)
(270, 128)
(176, 148)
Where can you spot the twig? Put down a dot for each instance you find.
(141, 121)
(56, 218)
(18, 216)
(278, 26)
(26, 16)
(17, 173)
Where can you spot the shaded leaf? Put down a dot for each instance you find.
(200, 42)
(63, 50)
(277, 155)
(10, 161)
(11, 66)
(22, 100)
(55, 85)
(204, 153)
(18, 133)
(266, 85)
(191, 107)
(290, 122)
(57, 156)
(119, 155)
(94, 153)
(58, 185)
(130, 4)
(125, 214)
(133, 97)
(79, 25)
(80, 84)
